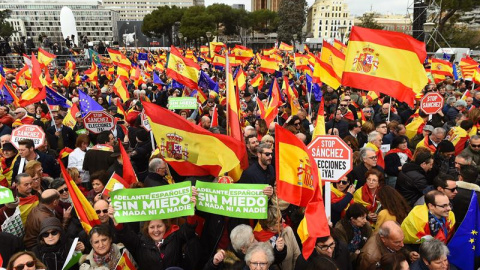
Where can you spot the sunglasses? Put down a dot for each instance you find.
(475, 145)
(344, 182)
(267, 154)
(61, 191)
(105, 211)
(28, 264)
(343, 105)
(452, 189)
(46, 234)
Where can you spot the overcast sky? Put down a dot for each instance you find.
(357, 7)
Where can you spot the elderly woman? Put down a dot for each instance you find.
(25, 260)
(433, 256)
(367, 194)
(354, 229)
(104, 254)
(53, 244)
(259, 256)
(278, 234)
(98, 180)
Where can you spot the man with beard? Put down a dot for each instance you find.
(262, 171)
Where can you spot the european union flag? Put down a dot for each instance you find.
(157, 80)
(455, 72)
(465, 244)
(87, 104)
(206, 82)
(5, 97)
(2, 71)
(143, 57)
(54, 98)
(176, 85)
(314, 87)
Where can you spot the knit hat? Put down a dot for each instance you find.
(445, 147)
(51, 223)
(142, 135)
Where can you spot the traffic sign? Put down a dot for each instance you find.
(144, 121)
(431, 103)
(99, 121)
(32, 132)
(332, 156)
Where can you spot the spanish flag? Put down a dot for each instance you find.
(468, 66)
(340, 46)
(70, 119)
(123, 71)
(32, 95)
(377, 60)
(120, 89)
(183, 70)
(25, 205)
(204, 50)
(242, 53)
(190, 149)
(275, 102)
(117, 57)
(320, 125)
(219, 61)
(440, 69)
(125, 263)
(257, 81)
(87, 216)
(267, 52)
(415, 126)
(285, 47)
(268, 65)
(92, 74)
(44, 57)
(216, 47)
(36, 73)
(298, 183)
(332, 62)
(292, 99)
(129, 175)
(120, 108)
(65, 152)
(316, 71)
(233, 60)
(240, 80)
(114, 179)
(459, 137)
(301, 61)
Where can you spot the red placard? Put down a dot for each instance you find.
(431, 103)
(332, 156)
(32, 132)
(97, 122)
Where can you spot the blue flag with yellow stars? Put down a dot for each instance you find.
(54, 98)
(465, 244)
(87, 103)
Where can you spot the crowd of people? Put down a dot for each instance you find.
(409, 190)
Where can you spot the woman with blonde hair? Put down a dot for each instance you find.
(25, 260)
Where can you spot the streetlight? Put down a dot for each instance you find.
(342, 29)
(209, 35)
(180, 36)
(294, 42)
(428, 28)
(185, 44)
(201, 40)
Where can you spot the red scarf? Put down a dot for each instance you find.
(427, 144)
(265, 235)
(368, 197)
(397, 150)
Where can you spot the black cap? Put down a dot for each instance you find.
(8, 147)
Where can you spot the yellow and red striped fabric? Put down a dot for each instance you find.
(332, 62)
(301, 61)
(183, 70)
(257, 81)
(377, 59)
(44, 57)
(268, 65)
(121, 90)
(468, 66)
(285, 47)
(320, 125)
(117, 57)
(440, 69)
(340, 46)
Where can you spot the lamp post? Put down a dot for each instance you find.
(294, 42)
(180, 36)
(201, 40)
(185, 43)
(209, 35)
(428, 28)
(342, 29)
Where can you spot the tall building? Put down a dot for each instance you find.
(32, 18)
(325, 17)
(392, 22)
(272, 5)
(135, 10)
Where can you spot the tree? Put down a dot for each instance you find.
(161, 21)
(449, 8)
(263, 20)
(6, 29)
(196, 21)
(368, 21)
(292, 16)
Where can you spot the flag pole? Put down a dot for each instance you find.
(227, 92)
(389, 109)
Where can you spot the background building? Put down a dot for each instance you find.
(324, 18)
(33, 18)
(135, 10)
(393, 22)
(238, 6)
(272, 5)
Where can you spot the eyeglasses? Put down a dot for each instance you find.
(326, 247)
(260, 265)
(105, 211)
(344, 182)
(475, 145)
(371, 180)
(28, 264)
(368, 111)
(444, 205)
(46, 234)
(267, 154)
(373, 157)
(61, 191)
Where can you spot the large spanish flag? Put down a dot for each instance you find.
(242, 53)
(182, 70)
(385, 61)
(117, 57)
(298, 183)
(268, 65)
(190, 148)
(301, 61)
(285, 47)
(340, 46)
(320, 125)
(129, 175)
(87, 216)
(440, 69)
(332, 62)
(44, 57)
(121, 90)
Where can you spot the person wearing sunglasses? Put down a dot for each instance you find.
(342, 197)
(54, 245)
(444, 183)
(473, 149)
(25, 260)
(65, 201)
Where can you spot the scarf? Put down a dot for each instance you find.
(356, 240)
(103, 147)
(397, 150)
(265, 235)
(436, 224)
(427, 144)
(369, 198)
(106, 259)
(380, 161)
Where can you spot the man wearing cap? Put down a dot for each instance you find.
(79, 127)
(60, 136)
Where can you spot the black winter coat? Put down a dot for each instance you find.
(411, 182)
(54, 256)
